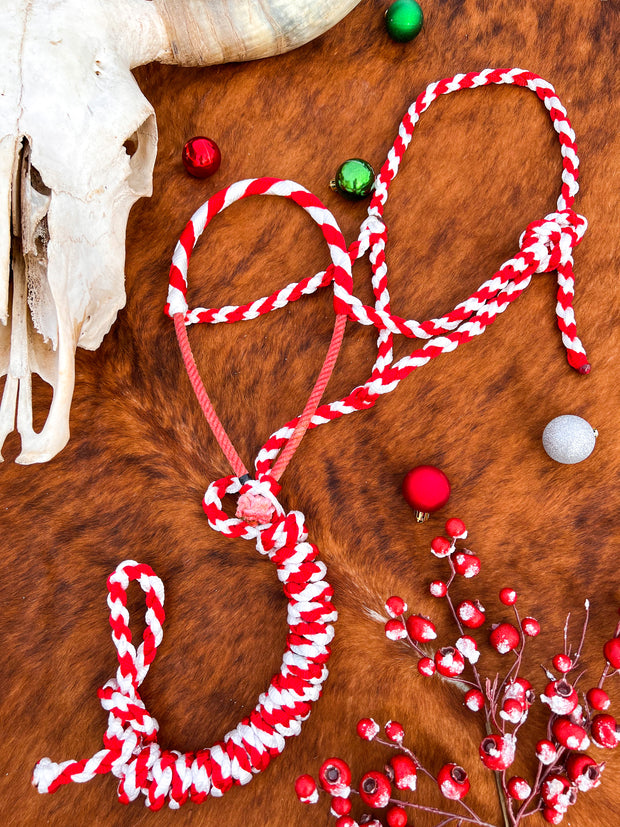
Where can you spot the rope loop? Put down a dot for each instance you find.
(131, 751)
(130, 748)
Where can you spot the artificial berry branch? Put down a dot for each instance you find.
(563, 769)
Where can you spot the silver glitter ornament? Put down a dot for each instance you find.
(569, 439)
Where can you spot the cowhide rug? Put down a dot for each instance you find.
(481, 166)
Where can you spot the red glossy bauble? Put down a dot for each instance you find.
(201, 157)
(426, 489)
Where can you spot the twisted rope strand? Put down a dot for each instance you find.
(130, 747)
(131, 751)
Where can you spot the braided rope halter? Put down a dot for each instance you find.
(131, 751)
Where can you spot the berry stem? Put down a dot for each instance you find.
(583, 632)
(604, 675)
(471, 819)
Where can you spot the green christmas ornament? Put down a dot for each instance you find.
(403, 20)
(355, 179)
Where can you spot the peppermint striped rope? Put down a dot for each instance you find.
(131, 750)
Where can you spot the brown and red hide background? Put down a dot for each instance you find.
(481, 166)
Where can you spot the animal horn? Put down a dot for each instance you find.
(205, 32)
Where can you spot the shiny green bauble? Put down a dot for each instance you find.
(354, 179)
(403, 20)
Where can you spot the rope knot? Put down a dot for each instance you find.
(257, 501)
(362, 398)
(372, 229)
(550, 240)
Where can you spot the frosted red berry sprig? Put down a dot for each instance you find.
(379, 789)
(578, 719)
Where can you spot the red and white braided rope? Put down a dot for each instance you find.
(131, 751)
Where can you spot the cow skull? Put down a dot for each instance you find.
(77, 148)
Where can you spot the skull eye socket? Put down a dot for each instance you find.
(131, 145)
(140, 147)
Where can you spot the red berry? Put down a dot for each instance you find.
(561, 697)
(395, 732)
(449, 661)
(583, 771)
(375, 789)
(557, 792)
(426, 667)
(471, 613)
(521, 690)
(340, 806)
(367, 729)
(395, 630)
(468, 647)
(335, 777)
(474, 700)
(438, 588)
(453, 782)
(569, 734)
(605, 732)
(395, 606)
(598, 699)
(497, 751)
(396, 817)
(508, 597)
(512, 710)
(421, 629)
(405, 772)
(441, 547)
(306, 790)
(562, 663)
(518, 788)
(456, 528)
(504, 638)
(546, 752)
(468, 565)
(345, 821)
(530, 626)
(612, 652)
(552, 816)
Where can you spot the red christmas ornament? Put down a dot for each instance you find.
(426, 489)
(201, 157)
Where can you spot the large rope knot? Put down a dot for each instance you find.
(550, 240)
(257, 501)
